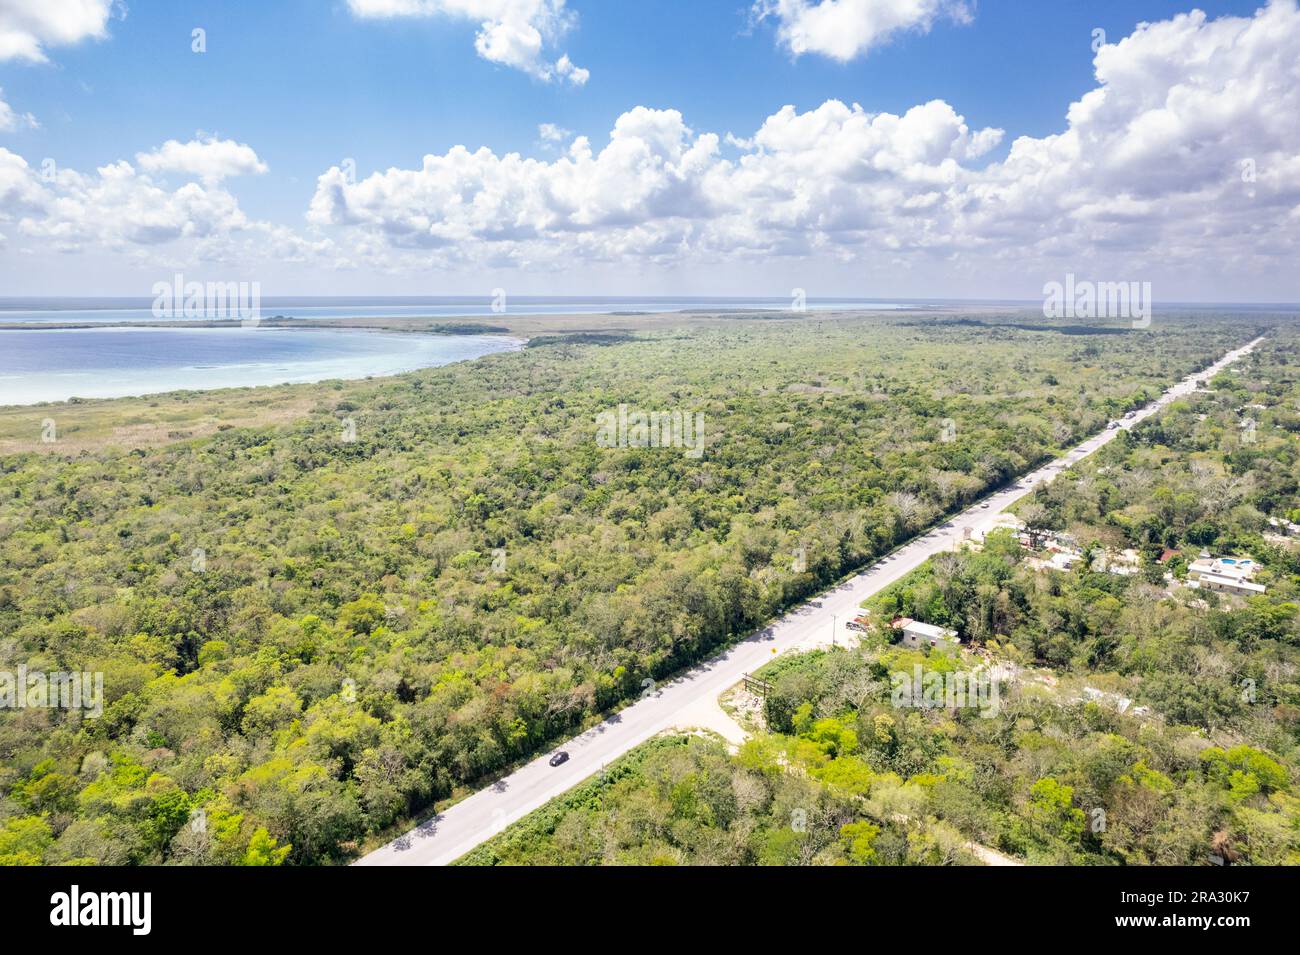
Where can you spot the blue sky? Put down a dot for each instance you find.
(305, 83)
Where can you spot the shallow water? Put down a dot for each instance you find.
(56, 364)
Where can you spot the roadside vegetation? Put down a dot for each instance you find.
(1139, 721)
(685, 800)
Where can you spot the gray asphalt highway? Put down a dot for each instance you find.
(477, 818)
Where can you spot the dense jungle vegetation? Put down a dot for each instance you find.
(314, 628)
(1186, 749)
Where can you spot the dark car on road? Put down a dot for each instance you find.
(560, 757)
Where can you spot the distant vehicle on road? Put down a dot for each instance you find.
(560, 757)
(985, 504)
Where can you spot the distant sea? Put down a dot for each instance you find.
(81, 310)
(57, 364)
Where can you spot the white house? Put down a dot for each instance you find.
(917, 634)
(1237, 568)
(1228, 585)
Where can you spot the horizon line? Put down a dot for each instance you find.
(89, 301)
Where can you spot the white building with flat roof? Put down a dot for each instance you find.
(1228, 585)
(916, 634)
(1236, 568)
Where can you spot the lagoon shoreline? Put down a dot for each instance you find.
(54, 365)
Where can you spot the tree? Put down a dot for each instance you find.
(23, 841)
(262, 850)
(1037, 523)
(860, 842)
(1054, 822)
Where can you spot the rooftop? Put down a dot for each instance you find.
(924, 629)
(1225, 581)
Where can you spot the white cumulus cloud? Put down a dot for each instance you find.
(845, 29)
(27, 27)
(120, 213)
(807, 181)
(513, 33)
(552, 133)
(209, 159)
(113, 207)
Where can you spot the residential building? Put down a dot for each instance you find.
(1228, 585)
(916, 634)
(1238, 568)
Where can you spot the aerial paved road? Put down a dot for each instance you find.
(452, 833)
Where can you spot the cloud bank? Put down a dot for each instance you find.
(1188, 144)
(1185, 153)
